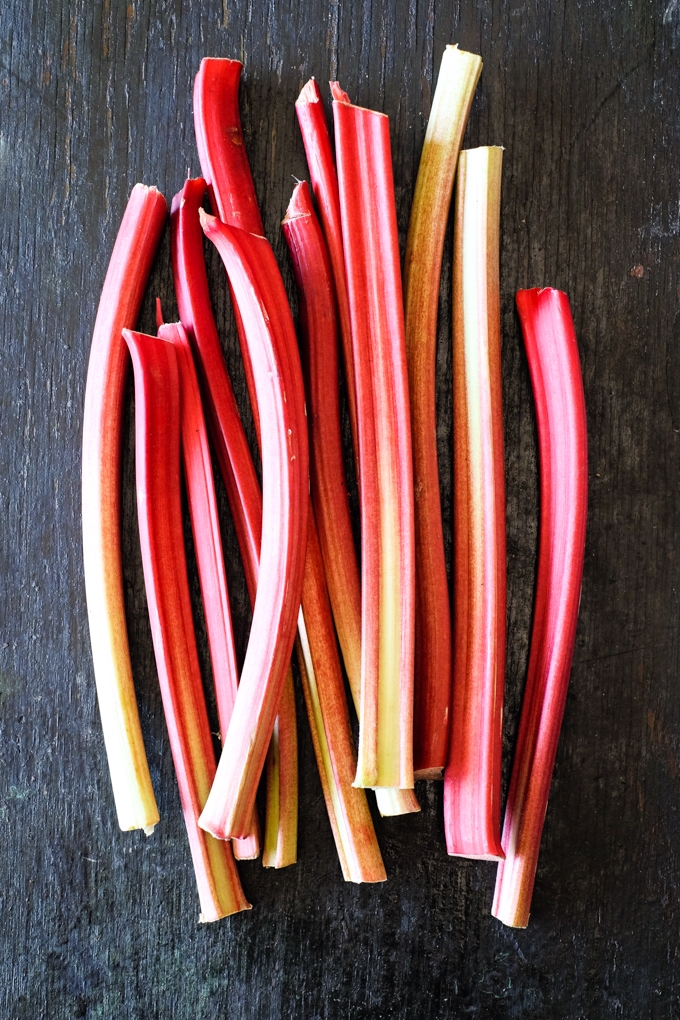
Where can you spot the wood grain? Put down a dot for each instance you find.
(99, 924)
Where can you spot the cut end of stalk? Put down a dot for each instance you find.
(338, 94)
(392, 803)
(148, 829)
(299, 203)
(310, 93)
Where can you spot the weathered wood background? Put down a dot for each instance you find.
(97, 923)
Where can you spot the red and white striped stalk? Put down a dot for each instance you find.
(472, 782)
(327, 479)
(261, 299)
(556, 380)
(370, 241)
(458, 76)
(121, 298)
(243, 492)
(157, 455)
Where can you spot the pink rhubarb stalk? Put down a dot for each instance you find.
(327, 480)
(157, 448)
(205, 526)
(369, 231)
(557, 384)
(243, 492)
(263, 305)
(119, 306)
(472, 783)
(458, 76)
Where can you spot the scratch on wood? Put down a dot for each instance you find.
(670, 11)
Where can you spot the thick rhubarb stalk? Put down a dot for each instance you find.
(119, 305)
(317, 142)
(458, 76)
(327, 480)
(324, 693)
(259, 293)
(243, 492)
(369, 231)
(557, 384)
(472, 782)
(157, 449)
(205, 526)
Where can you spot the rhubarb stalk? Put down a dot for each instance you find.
(261, 299)
(157, 448)
(119, 305)
(243, 492)
(458, 76)
(369, 231)
(205, 526)
(327, 480)
(472, 782)
(557, 385)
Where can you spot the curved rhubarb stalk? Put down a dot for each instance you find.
(119, 305)
(458, 76)
(557, 384)
(157, 448)
(329, 493)
(472, 782)
(317, 142)
(369, 231)
(243, 492)
(263, 305)
(205, 526)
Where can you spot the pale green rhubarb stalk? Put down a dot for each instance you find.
(556, 380)
(244, 495)
(472, 782)
(258, 289)
(370, 243)
(157, 454)
(458, 76)
(119, 306)
(205, 527)
(327, 481)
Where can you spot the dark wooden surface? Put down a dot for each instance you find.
(102, 924)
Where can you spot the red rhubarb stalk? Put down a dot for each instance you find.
(327, 480)
(317, 142)
(205, 526)
(472, 782)
(369, 230)
(119, 305)
(243, 492)
(557, 385)
(259, 293)
(157, 449)
(458, 76)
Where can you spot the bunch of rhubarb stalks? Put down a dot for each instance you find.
(428, 696)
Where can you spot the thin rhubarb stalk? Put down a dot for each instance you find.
(458, 76)
(243, 492)
(224, 165)
(557, 384)
(259, 293)
(119, 306)
(324, 692)
(369, 231)
(157, 450)
(327, 480)
(317, 142)
(472, 782)
(205, 526)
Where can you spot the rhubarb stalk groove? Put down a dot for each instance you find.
(119, 306)
(472, 783)
(552, 353)
(458, 76)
